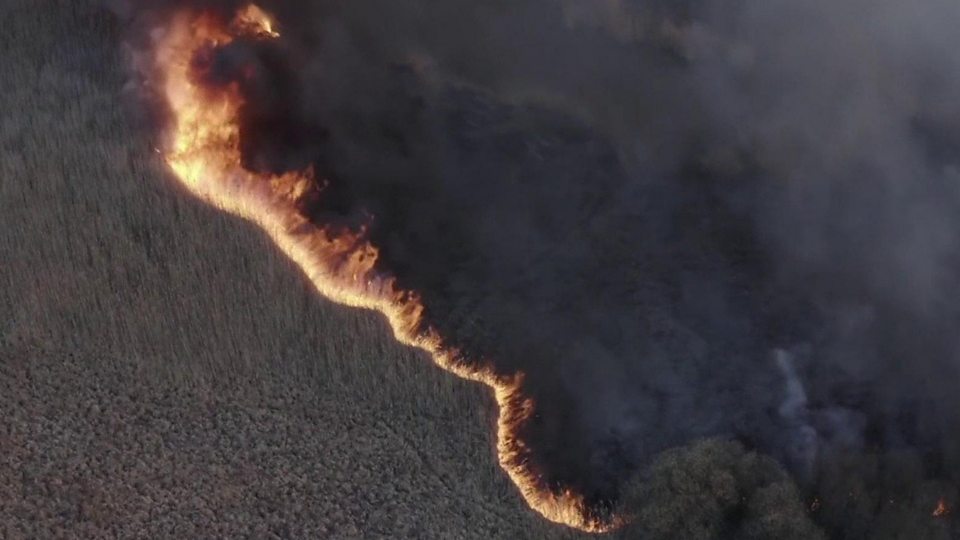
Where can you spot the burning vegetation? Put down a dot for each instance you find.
(640, 277)
(205, 154)
(942, 510)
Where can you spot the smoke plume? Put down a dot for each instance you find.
(680, 220)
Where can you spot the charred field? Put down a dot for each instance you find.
(543, 269)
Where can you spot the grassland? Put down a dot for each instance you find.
(165, 372)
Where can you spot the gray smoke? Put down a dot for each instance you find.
(802, 446)
(640, 203)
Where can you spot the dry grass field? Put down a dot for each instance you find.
(166, 373)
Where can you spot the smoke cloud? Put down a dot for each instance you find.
(680, 219)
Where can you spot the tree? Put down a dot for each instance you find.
(715, 489)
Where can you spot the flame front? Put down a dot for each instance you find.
(205, 156)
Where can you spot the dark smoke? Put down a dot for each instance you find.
(680, 219)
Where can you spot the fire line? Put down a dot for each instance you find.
(205, 156)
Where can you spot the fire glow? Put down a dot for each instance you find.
(942, 510)
(204, 153)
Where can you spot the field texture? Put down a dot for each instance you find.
(166, 373)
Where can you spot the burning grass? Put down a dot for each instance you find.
(205, 155)
(130, 313)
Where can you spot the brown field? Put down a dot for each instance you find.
(166, 373)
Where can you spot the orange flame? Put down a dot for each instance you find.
(942, 510)
(204, 155)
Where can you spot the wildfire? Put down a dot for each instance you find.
(942, 510)
(205, 156)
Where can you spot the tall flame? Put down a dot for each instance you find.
(205, 156)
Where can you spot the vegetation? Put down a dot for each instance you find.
(165, 372)
(715, 489)
(884, 496)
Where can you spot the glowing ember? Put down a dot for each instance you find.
(942, 510)
(205, 156)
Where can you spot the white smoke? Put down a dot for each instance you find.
(803, 443)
